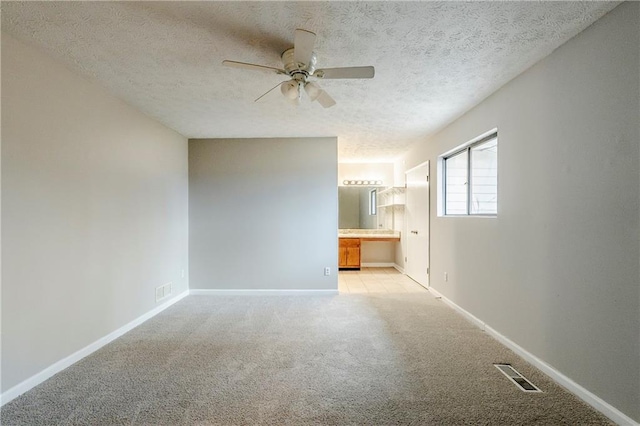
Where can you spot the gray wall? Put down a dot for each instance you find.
(94, 212)
(263, 213)
(557, 271)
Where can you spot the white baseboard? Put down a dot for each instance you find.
(261, 292)
(378, 265)
(55, 368)
(469, 316)
(590, 398)
(399, 268)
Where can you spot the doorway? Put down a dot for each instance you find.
(417, 224)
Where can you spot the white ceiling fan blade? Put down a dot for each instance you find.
(248, 66)
(316, 93)
(347, 72)
(325, 100)
(303, 46)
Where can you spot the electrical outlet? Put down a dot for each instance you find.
(163, 291)
(159, 293)
(182, 273)
(327, 271)
(446, 277)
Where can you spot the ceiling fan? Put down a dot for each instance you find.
(299, 63)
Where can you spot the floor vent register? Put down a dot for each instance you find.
(520, 381)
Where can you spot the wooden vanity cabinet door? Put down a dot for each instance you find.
(349, 253)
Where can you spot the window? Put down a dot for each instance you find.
(373, 202)
(456, 177)
(471, 178)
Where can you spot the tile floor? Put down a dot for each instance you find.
(377, 280)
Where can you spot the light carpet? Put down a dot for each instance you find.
(377, 359)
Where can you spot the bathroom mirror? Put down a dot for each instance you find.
(357, 207)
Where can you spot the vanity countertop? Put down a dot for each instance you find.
(370, 234)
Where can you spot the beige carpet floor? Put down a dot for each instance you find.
(352, 359)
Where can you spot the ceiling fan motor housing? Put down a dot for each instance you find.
(297, 70)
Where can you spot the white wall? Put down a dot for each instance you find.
(557, 271)
(94, 212)
(377, 252)
(398, 217)
(263, 213)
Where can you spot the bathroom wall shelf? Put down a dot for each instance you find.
(391, 197)
(390, 201)
(392, 190)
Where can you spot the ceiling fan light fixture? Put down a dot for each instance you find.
(313, 90)
(299, 64)
(290, 89)
(295, 101)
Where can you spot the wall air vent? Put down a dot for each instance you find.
(520, 381)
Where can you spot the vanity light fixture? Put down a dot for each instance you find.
(362, 182)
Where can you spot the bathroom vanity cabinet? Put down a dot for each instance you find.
(349, 253)
(350, 244)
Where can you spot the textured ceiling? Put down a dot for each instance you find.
(433, 60)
